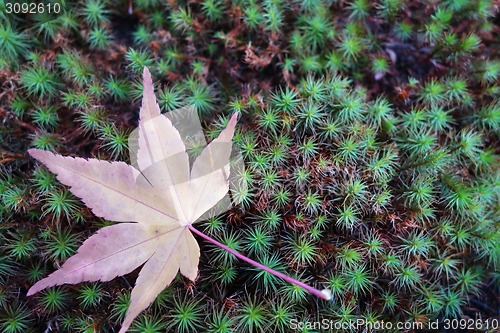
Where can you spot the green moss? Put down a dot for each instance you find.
(369, 137)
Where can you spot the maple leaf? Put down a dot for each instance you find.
(157, 198)
(157, 202)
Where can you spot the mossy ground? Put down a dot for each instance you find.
(370, 136)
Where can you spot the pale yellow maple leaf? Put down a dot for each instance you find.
(157, 203)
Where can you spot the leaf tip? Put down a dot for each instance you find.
(123, 329)
(126, 324)
(33, 151)
(37, 153)
(234, 117)
(34, 289)
(229, 130)
(146, 78)
(146, 72)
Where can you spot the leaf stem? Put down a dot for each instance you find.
(324, 294)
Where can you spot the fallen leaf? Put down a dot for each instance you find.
(157, 198)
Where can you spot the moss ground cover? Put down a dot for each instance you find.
(370, 137)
